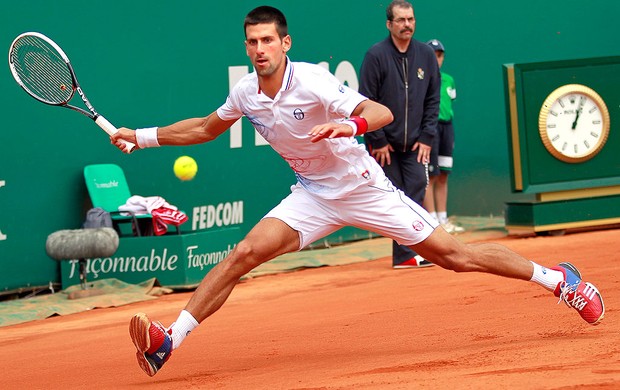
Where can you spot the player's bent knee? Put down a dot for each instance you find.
(243, 258)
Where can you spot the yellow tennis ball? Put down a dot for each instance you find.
(185, 168)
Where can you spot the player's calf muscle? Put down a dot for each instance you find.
(457, 262)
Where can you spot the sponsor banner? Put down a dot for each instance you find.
(219, 215)
(175, 260)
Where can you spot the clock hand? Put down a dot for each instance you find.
(577, 115)
(575, 121)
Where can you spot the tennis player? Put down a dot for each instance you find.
(310, 119)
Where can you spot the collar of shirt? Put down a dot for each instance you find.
(287, 80)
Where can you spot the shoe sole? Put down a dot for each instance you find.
(139, 332)
(598, 321)
(412, 266)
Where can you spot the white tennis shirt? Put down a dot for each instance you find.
(310, 96)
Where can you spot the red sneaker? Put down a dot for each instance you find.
(152, 341)
(581, 296)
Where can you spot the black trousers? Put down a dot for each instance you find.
(410, 176)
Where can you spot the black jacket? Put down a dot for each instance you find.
(414, 104)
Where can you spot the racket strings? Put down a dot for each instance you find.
(42, 70)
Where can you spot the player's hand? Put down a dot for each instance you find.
(330, 130)
(424, 152)
(382, 155)
(124, 134)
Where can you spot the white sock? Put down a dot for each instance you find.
(182, 327)
(434, 215)
(548, 278)
(442, 216)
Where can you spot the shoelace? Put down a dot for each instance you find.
(577, 301)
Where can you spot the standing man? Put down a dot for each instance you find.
(311, 120)
(436, 199)
(402, 73)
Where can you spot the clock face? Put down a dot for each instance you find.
(574, 123)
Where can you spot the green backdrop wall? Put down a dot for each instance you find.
(145, 63)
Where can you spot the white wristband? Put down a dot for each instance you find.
(147, 138)
(352, 124)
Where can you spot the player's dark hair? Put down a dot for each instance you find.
(266, 15)
(389, 11)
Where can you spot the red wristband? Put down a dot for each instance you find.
(362, 124)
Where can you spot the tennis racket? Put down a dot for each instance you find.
(43, 70)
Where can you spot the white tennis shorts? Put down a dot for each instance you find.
(380, 208)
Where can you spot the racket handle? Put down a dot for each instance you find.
(111, 130)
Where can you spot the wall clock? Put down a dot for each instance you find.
(574, 123)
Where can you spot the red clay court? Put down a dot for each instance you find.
(356, 326)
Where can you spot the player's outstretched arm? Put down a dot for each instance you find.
(367, 116)
(186, 132)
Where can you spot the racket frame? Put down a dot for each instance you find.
(109, 128)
